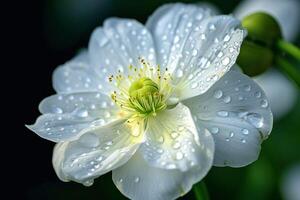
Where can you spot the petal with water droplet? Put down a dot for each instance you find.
(182, 144)
(96, 152)
(192, 59)
(117, 45)
(76, 76)
(243, 122)
(154, 183)
(65, 115)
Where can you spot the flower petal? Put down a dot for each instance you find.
(287, 13)
(197, 48)
(76, 76)
(236, 112)
(65, 115)
(117, 45)
(173, 142)
(276, 85)
(138, 180)
(97, 151)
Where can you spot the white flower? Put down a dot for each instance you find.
(274, 83)
(157, 105)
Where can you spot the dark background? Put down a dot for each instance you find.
(41, 35)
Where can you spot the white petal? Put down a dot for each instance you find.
(236, 112)
(97, 151)
(138, 180)
(196, 47)
(76, 76)
(173, 142)
(287, 13)
(117, 45)
(65, 115)
(276, 86)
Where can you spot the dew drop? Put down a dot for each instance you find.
(194, 52)
(137, 179)
(174, 134)
(264, 103)
(161, 139)
(218, 94)
(223, 113)
(214, 130)
(245, 131)
(179, 73)
(82, 113)
(227, 99)
(179, 155)
(58, 110)
(176, 145)
(226, 61)
(226, 38)
(256, 120)
(176, 39)
(194, 85)
(257, 94)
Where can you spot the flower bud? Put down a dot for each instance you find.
(257, 51)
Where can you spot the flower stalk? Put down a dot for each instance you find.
(200, 191)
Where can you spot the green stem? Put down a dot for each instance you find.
(289, 49)
(200, 191)
(289, 69)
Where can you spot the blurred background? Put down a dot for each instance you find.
(47, 33)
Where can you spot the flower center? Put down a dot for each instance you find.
(145, 98)
(142, 91)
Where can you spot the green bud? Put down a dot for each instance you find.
(142, 87)
(254, 59)
(257, 51)
(262, 28)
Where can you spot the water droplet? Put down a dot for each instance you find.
(245, 131)
(109, 143)
(255, 119)
(160, 151)
(120, 180)
(226, 61)
(226, 38)
(243, 141)
(57, 110)
(88, 183)
(264, 103)
(247, 88)
(257, 94)
(176, 145)
(227, 99)
(82, 113)
(174, 134)
(171, 166)
(179, 73)
(194, 52)
(137, 179)
(231, 134)
(212, 27)
(214, 130)
(202, 36)
(223, 113)
(89, 140)
(161, 139)
(220, 54)
(176, 39)
(218, 94)
(194, 85)
(179, 155)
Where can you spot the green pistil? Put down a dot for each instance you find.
(145, 97)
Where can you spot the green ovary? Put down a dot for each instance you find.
(144, 97)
